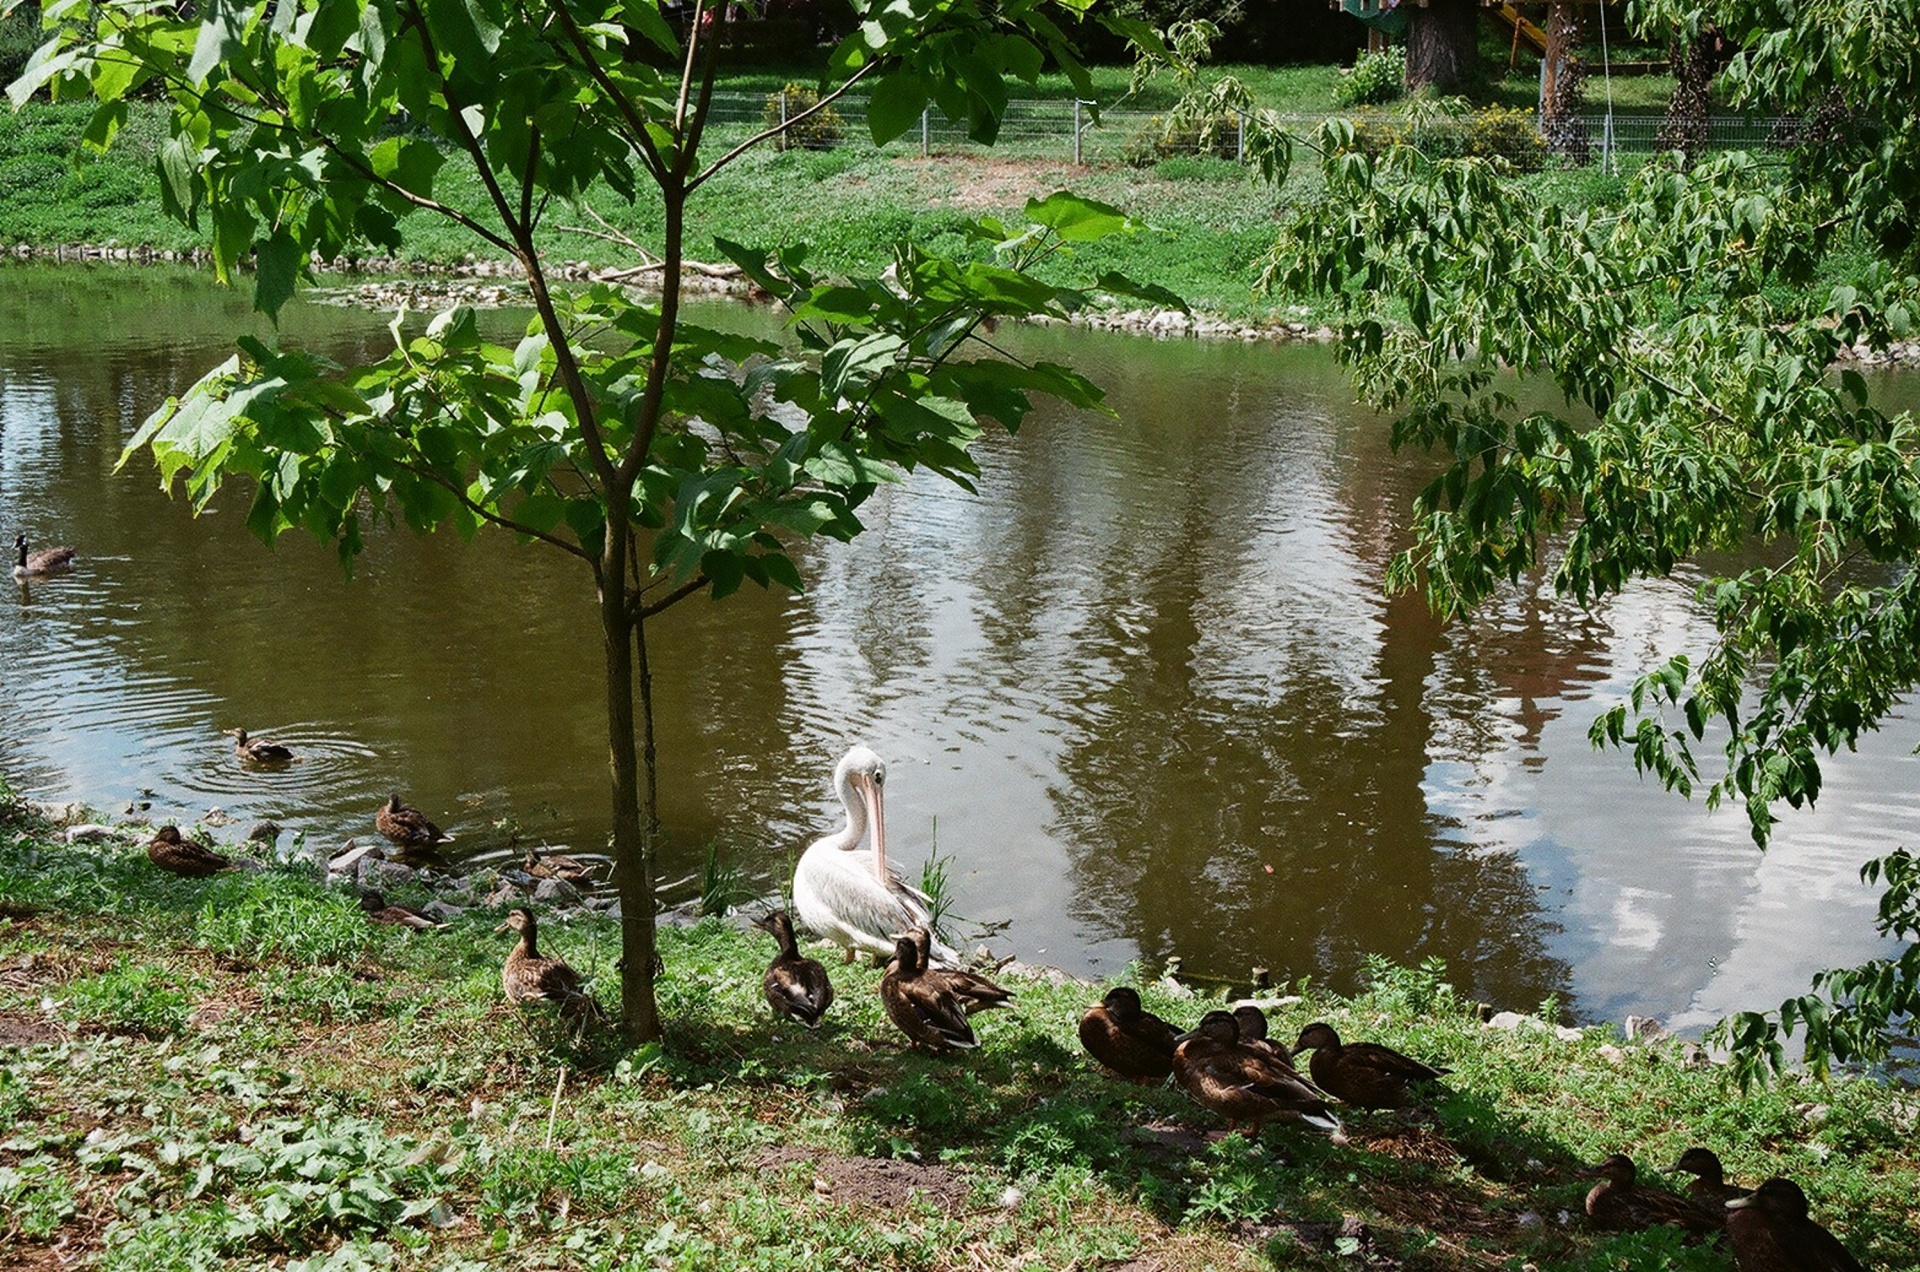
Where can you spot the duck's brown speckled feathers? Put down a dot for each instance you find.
(1710, 1188)
(529, 976)
(1244, 1084)
(407, 827)
(176, 854)
(258, 750)
(925, 1010)
(35, 564)
(378, 911)
(1619, 1204)
(1252, 1023)
(1366, 1075)
(1133, 1042)
(557, 866)
(796, 986)
(1770, 1231)
(975, 992)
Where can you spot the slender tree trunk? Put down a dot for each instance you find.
(1695, 63)
(1443, 44)
(1563, 84)
(632, 846)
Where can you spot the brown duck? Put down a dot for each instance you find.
(1366, 1075)
(556, 866)
(407, 827)
(176, 854)
(1710, 1187)
(378, 911)
(924, 1009)
(33, 565)
(529, 976)
(1616, 1203)
(1253, 1032)
(1771, 1232)
(796, 986)
(1244, 1084)
(975, 992)
(1131, 1041)
(258, 750)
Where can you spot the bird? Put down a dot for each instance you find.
(1126, 1038)
(1770, 1232)
(1244, 1084)
(1617, 1204)
(557, 866)
(407, 828)
(975, 992)
(1710, 1189)
(1253, 1031)
(39, 564)
(1366, 1075)
(528, 976)
(925, 1010)
(176, 854)
(378, 911)
(796, 986)
(852, 897)
(258, 750)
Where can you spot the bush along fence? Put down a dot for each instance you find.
(1079, 132)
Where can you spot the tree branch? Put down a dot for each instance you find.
(777, 129)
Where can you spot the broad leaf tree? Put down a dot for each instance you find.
(1699, 332)
(668, 460)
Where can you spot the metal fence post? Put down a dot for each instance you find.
(1240, 138)
(1076, 132)
(923, 132)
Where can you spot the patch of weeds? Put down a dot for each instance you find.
(1059, 1134)
(132, 997)
(527, 1186)
(944, 1105)
(723, 882)
(284, 916)
(323, 995)
(1201, 168)
(937, 883)
(1238, 1183)
(35, 1198)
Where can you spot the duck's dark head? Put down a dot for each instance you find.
(1123, 1003)
(1215, 1026)
(1701, 1162)
(372, 902)
(1617, 1169)
(519, 919)
(1251, 1021)
(1317, 1034)
(1778, 1197)
(778, 923)
(168, 835)
(907, 952)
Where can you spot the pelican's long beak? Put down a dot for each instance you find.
(877, 818)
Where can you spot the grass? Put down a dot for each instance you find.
(219, 1074)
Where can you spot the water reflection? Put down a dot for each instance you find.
(1143, 688)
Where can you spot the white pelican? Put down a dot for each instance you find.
(850, 896)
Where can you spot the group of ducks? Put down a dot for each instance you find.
(405, 827)
(1768, 1227)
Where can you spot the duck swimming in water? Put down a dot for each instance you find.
(255, 750)
(34, 565)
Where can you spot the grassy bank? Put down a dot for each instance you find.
(240, 1072)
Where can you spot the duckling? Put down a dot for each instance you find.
(1131, 1041)
(975, 992)
(1366, 1075)
(1615, 1203)
(924, 1009)
(1243, 1084)
(378, 911)
(407, 827)
(42, 563)
(1711, 1189)
(796, 986)
(1770, 1232)
(557, 866)
(1253, 1032)
(254, 750)
(529, 976)
(176, 854)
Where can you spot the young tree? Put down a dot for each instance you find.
(667, 459)
(1687, 323)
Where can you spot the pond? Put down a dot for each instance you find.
(1144, 690)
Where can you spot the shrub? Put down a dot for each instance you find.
(265, 916)
(818, 131)
(1167, 137)
(1373, 79)
(132, 997)
(1444, 130)
(1509, 133)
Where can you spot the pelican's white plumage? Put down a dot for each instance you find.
(849, 895)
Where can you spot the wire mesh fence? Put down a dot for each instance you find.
(1084, 133)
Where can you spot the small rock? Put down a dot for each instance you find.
(1646, 1030)
(1173, 988)
(216, 817)
(1507, 1020)
(90, 832)
(505, 894)
(1815, 1114)
(377, 874)
(264, 831)
(1612, 1054)
(1695, 1056)
(441, 910)
(1529, 1219)
(1567, 1033)
(555, 891)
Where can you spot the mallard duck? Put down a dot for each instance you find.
(407, 827)
(176, 854)
(258, 750)
(796, 986)
(1252, 1023)
(1244, 1084)
(528, 976)
(1616, 1203)
(924, 1009)
(852, 897)
(1771, 1232)
(1366, 1075)
(1710, 1188)
(378, 911)
(45, 561)
(1131, 1041)
(557, 866)
(975, 992)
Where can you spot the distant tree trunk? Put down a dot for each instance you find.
(1695, 63)
(1443, 44)
(1563, 79)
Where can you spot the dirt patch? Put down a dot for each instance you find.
(1408, 1142)
(984, 184)
(875, 1183)
(18, 1029)
(1170, 1141)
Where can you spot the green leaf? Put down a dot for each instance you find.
(854, 362)
(896, 105)
(277, 268)
(1076, 219)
